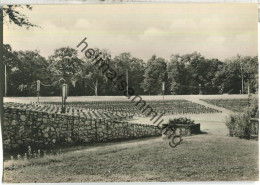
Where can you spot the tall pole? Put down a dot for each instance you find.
(163, 88)
(38, 87)
(62, 99)
(242, 80)
(242, 75)
(5, 81)
(127, 81)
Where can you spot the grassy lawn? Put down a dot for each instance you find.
(199, 158)
(206, 157)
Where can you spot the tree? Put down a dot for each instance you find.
(91, 73)
(12, 14)
(236, 68)
(229, 77)
(211, 85)
(24, 68)
(135, 67)
(177, 75)
(13, 64)
(9, 58)
(250, 72)
(65, 64)
(136, 75)
(155, 74)
(195, 64)
(193, 74)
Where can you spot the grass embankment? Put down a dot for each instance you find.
(199, 158)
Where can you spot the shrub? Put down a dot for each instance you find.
(253, 107)
(240, 125)
(185, 121)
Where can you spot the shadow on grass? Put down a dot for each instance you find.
(202, 132)
(64, 149)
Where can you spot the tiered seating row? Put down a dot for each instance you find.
(236, 105)
(168, 107)
(74, 111)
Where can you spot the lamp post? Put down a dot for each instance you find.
(163, 88)
(38, 89)
(242, 75)
(127, 81)
(63, 94)
(64, 97)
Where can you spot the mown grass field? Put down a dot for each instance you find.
(212, 156)
(198, 158)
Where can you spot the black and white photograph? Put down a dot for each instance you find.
(129, 92)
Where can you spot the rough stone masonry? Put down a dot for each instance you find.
(23, 128)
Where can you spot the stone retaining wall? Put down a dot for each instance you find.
(23, 128)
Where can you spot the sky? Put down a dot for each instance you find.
(214, 30)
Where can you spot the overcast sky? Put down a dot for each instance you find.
(215, 30)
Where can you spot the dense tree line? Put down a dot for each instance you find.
(182, 74)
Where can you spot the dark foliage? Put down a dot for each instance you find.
(187, 74)
(181, 121)
(12, 14)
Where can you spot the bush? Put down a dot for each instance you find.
(240, 125)
(185, 121)
(253, 107)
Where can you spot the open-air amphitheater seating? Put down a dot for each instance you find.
(168, 107)
(115, 109)
(236, 105)
(74, 111)
(42, 124)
